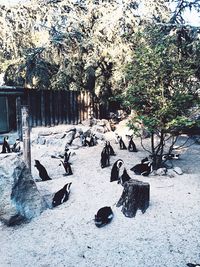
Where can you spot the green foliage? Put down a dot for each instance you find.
(161, 84)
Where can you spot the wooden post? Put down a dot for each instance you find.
(135, 196)
(18, 117)
(26, 136)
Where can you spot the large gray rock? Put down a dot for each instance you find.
(20, 199)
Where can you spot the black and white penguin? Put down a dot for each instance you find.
(124, 177)
(144, 168)
(67, 167)
(6, 146)
(116, 170)
(66, 164)
(121, 143)
(92, 140)
(131, 145)
(103, 216)
(193, 265)
(110, 149)
(16, 147)
(170, 156)
(42, 171)
(62, 195)
(105, 158)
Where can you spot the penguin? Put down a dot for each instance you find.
(62, 195)
(110, 149)
(105, 158)
(131, 145)
(6, 146)
(144, 168)
(16, 147)
(92, 141)
(193, 265)
(116, 169)
(145, 160)
(66, 155)
(124, 177)
(42, 171)
(65, 163)
(67, 167)
(103, 216)
(121, 143)
(170, 156)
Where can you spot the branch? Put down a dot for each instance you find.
(143, 146)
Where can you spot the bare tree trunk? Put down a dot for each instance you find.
(135, 196)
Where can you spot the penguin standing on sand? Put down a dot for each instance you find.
(110, 149)
(131, 145)
(6, 146)
(42, 171)
(116, 170)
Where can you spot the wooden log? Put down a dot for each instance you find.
(26, 136)
(136, 195)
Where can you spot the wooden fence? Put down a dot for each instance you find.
(49, 108)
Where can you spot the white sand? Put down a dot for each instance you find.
(167, 235)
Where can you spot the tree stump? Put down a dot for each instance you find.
(134, 196)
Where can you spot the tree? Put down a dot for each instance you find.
(162, 86)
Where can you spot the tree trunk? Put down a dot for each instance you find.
(134, 196)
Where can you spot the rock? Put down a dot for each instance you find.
(59, 135)
(70, 136)
(20, 199)
(41, 140)
(161, 171)
(99, 136)
(97, 129)
(178, 170)
(44, 133)
(170, 173)
(102, 122)
(53, 141)
(70, 129)
(77, 142)
(89, 122)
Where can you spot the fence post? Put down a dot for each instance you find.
(18, 117)
(26, 136)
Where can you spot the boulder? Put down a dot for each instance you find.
(20, 199)
(44, 133)
(70, 136)
(59, 135)
(161, 171)
(178, 170)
(98, 129)
(171, 173)
(41, 140)
(77, 142)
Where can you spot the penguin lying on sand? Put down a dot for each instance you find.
(103, 216)
(62, 195)
(144, 168)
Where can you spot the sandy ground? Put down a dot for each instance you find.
(167, 235)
